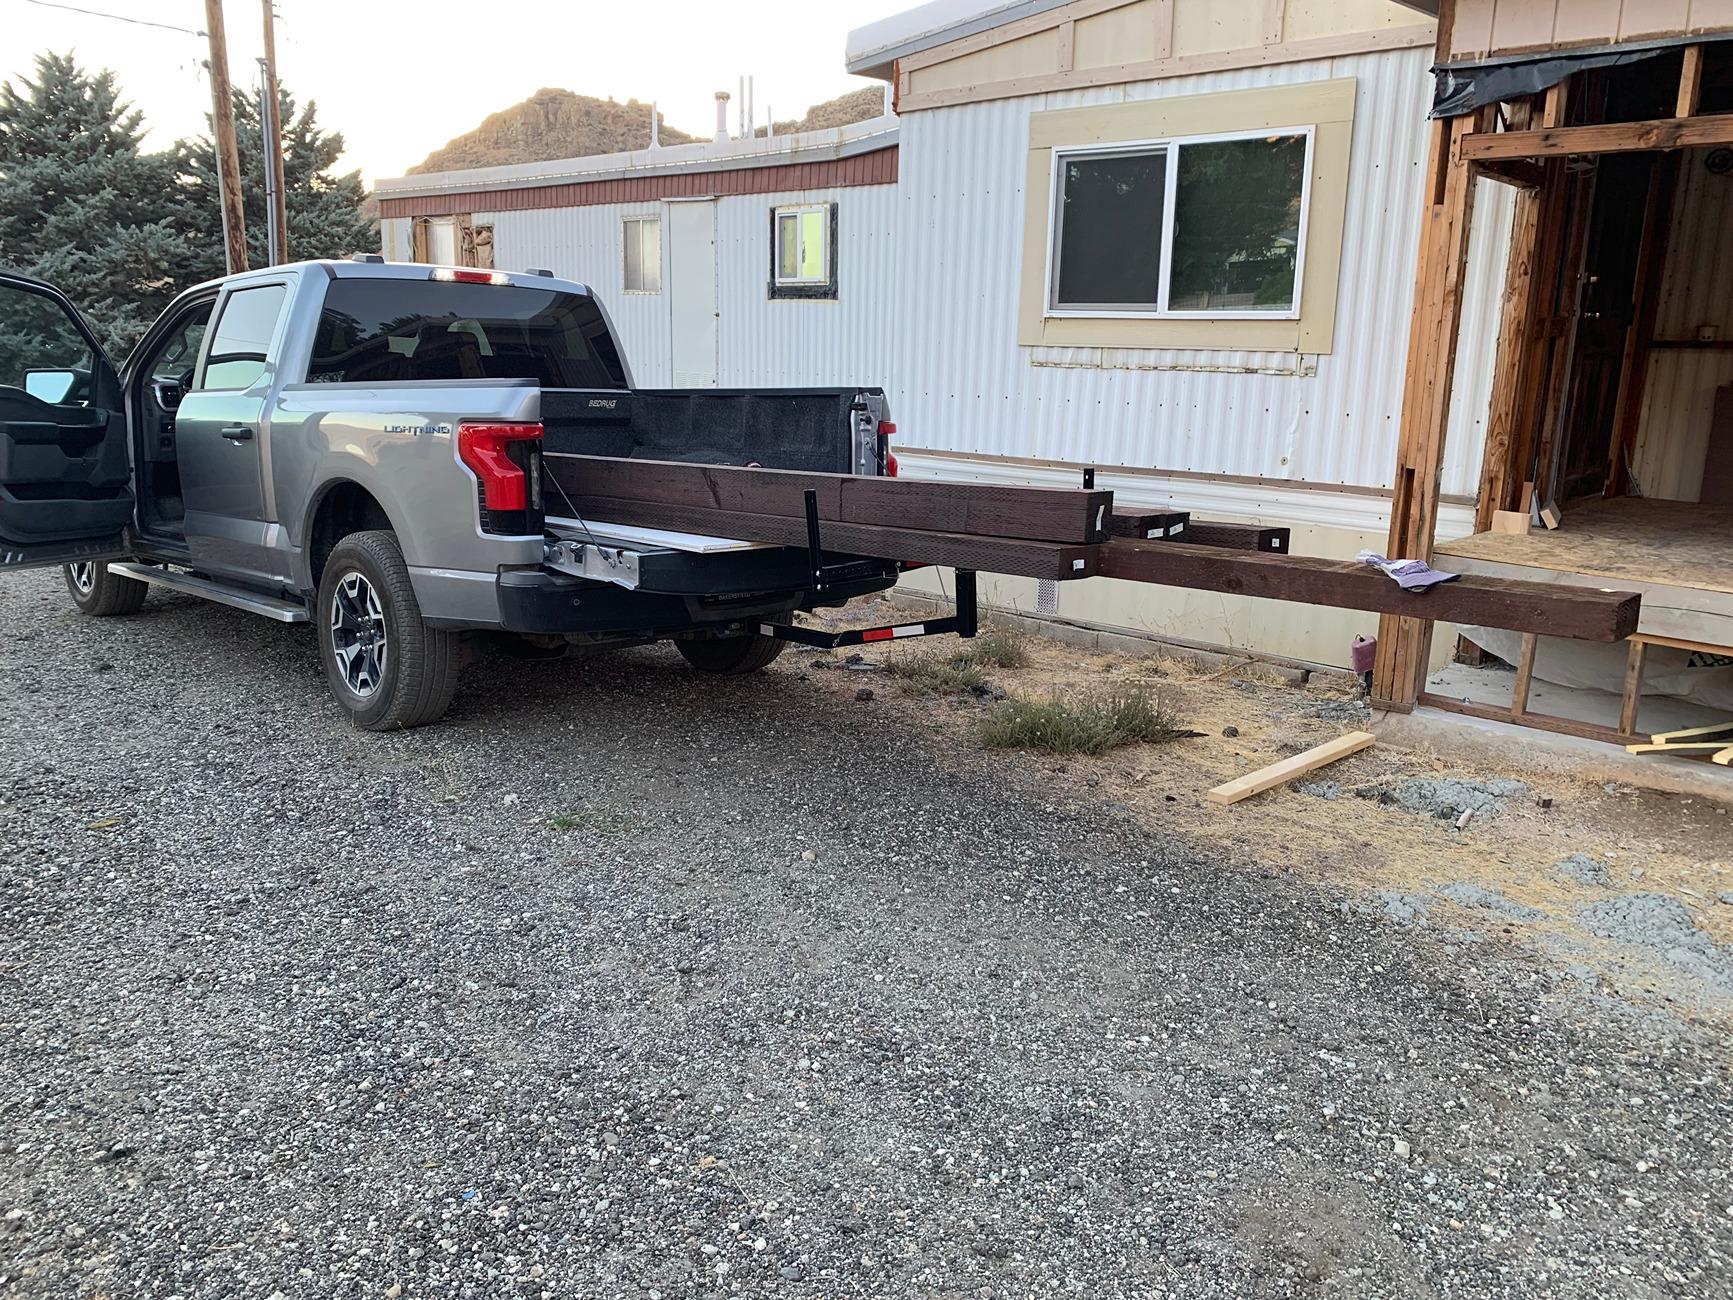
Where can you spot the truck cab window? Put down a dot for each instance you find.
(376, 331)
(241, 346)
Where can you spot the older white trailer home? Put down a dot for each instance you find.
(744, 262)
(1174, 240)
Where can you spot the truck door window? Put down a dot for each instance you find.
(41, 350)
(241, 346)
(376, 330)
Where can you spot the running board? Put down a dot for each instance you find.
(284, 611)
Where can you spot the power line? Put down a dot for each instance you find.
(119, 18)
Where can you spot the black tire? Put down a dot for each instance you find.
(102, 594)
(732, 656)
(395, 672)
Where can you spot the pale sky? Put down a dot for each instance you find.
(401, 77)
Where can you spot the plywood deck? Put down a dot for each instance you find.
(1677, 554)
(1679, 543)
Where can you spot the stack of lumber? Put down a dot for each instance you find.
(1052, 533)
(1023, 531)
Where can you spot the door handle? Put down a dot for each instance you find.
(238, 432)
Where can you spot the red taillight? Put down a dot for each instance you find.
(485, 448)
(887, 431)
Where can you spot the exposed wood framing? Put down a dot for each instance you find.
(1404, 642)
(1634, 365)
(1559, 329)
(1690, 82)
(1500, 477)
(1604, 138)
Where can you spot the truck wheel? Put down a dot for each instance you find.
(731, 656)
(102, 594)
(387, 668)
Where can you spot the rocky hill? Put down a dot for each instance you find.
(551, 124)
(856, 106)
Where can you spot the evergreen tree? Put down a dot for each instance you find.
(83, 205)
(325, 211)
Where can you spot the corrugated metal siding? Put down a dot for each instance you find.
(794, 342)
(763, 342)
(1696, 291)
(963, 384)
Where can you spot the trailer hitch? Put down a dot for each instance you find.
(964, 622)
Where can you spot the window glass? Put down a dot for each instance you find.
(240, 348)
(1236, 231)
(36, 334)
(814, 262)
(803, 255)
(382, 330)
(1111, 209)
(788, 245)
(643, 248)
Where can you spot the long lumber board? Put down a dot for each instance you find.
(1011, 555)
(1553, 609)
(931, 505)
(1268, 778)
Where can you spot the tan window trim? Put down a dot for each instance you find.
(1325, 106)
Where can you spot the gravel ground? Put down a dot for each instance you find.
(628, 983)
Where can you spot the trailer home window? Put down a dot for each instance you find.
(803, 251)
(643, 249)
(1205, 226)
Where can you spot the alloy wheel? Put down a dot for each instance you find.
(358, 634)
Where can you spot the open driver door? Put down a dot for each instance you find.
(65, 474)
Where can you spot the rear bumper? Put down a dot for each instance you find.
(536, 601)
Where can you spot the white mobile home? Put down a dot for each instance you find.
(1174, 240)
(754, 262)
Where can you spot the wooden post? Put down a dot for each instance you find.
(228, 163)
(1690, 82)
(1404, 643)
(278, 216)
(1645, 296)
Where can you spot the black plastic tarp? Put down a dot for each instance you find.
(1463, 87)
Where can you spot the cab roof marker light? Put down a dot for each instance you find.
(459, 275)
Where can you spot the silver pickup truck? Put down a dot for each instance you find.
(359, 444)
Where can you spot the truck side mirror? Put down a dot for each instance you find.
(51, 386)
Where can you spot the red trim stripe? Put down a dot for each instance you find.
(878, 167)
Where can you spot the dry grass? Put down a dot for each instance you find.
(950, 671)
(1092, 725)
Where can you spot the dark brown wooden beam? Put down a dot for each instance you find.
(1016, 556)
(930, 505)
(1610, 137)
(1238, 537)
(1149, 525)
(1524, 173)
(1555, 609)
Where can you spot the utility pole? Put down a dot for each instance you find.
(223, 132)
(276, 195)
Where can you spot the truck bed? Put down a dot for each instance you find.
(790, 428)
